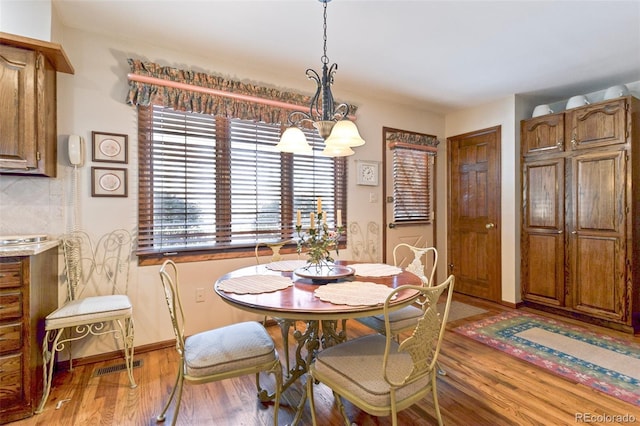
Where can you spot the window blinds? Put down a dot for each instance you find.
(213, 183)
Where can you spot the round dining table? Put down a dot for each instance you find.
(298, 302)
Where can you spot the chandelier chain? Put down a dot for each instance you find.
(325, 58)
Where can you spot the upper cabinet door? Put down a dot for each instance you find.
(18, 148)
(543, 134)
(597, 125)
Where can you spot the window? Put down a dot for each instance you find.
(411, 185)
(209, 186)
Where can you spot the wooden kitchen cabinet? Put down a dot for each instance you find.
(28, 293)
(580, 240)
(543, 134)
(28, 140)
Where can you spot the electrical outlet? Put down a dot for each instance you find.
(199, 294)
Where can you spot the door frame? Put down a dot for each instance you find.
(497, 290)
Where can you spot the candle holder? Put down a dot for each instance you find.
(319, 241)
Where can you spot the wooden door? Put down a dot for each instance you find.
(597, 125)
(543, 237)
(17, 109)
(474, 254)
(543, 135)
(597, 278)
(408, 190)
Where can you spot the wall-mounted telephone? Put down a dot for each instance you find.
(76, 150)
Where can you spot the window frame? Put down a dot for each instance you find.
(418, 147)
(149, 256)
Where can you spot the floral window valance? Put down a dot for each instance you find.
(411, 138)
(184, 99)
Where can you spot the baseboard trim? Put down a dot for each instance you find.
(115, 355)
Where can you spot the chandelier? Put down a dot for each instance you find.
(339, 133)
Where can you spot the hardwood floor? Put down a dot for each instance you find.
(482, 387)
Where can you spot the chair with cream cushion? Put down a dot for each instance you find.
(405, 318)
(97, 283)
(380, 375)
(230, 351)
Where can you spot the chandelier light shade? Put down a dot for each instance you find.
(293, 141)
(346, 133)
(331, 121)
(337, 150)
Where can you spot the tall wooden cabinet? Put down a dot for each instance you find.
(580, 240)
(28, 135)
(28, 293)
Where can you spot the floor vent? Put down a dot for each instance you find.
(115, 368)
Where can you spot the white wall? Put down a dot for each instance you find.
(93, 100)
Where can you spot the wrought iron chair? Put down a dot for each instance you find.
(284, 324)
(380, 375)
(218, 354)
(89, 311)
(406, 318)
(275, 250)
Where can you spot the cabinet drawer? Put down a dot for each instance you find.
(10, 274)
(10, 337)
(10, 305)
(11, 380)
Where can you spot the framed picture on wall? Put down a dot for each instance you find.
(108, 182)
(109, 147)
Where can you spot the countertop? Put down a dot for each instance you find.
(27, 249)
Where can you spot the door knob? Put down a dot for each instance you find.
(392, 225)
(490, 225)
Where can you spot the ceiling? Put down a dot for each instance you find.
(439, 55)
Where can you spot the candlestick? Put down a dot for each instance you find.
(299, 218)
(313, 221)
(319, 201)
(339, 217)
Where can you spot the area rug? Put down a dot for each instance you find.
(460, 310)
(604, 363)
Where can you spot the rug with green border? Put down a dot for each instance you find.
(602, 362)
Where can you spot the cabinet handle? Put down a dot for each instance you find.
(574, 140)
(490, 225)
(574, 232)
(559, 143)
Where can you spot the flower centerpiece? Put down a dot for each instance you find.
(319, 240)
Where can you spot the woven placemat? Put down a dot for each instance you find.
(286, 265)
(354, 293)
(255, 284)
(375, 269)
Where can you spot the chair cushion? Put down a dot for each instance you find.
(356, 366)
(89, 310)
(232, 347)
(399, 320)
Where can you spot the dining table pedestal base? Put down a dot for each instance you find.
(317, 335)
